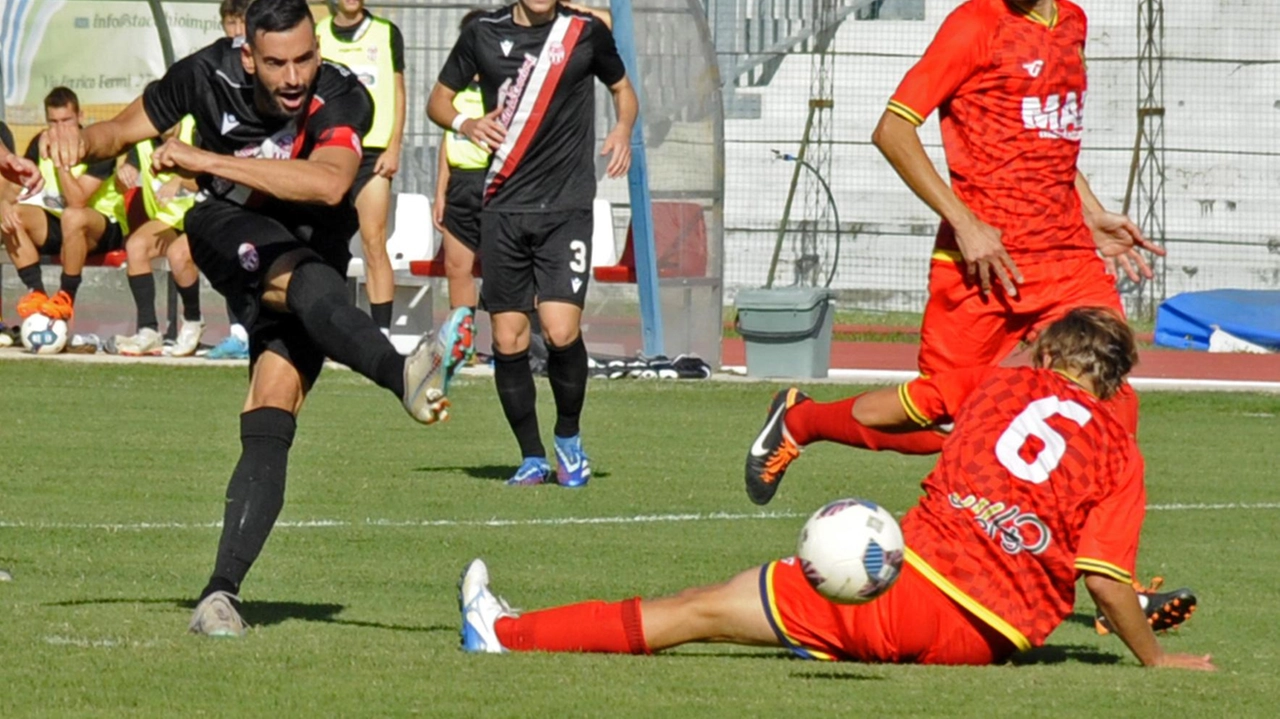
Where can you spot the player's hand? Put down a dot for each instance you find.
(175, 154)
(1195, 662)
(388, 163)
(617, 147)
(63, 144)
(487, 132)
(10, 220)
(1118, 241)
(986, 258)
(437, 212)
(24, 173)
(127, 175)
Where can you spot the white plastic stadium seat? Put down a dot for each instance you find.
(604, 248)
(410, 235)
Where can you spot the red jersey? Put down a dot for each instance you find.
(1009, 88)
(1037, 483)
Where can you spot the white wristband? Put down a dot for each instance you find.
(458, 121)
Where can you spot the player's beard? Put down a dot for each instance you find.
(273, 103)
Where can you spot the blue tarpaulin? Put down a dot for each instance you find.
(1185, 321)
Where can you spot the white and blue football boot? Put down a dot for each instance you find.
(533, 470)
(573, 468)
(480, 610)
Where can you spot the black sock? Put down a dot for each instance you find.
(143, 288)
(31, 277)
(190, 301)
(567, 370)
(318, 297)
(71, 285)
(519, 397)
(254, 495)
(381, 314)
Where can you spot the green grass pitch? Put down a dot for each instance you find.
(356, 615)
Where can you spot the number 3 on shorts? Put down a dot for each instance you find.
(579, 262)
(1031, 422)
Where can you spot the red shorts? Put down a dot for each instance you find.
(912, 623)
(962, 328)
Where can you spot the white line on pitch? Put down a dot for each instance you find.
(328, 523)
(537, 522)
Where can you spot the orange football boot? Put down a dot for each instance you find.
(31, 303)
(59, 307)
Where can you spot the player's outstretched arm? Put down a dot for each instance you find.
(324, 178)
(1119, 603)
(984, 254)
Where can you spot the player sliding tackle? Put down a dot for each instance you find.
(977, 585)
(280, 146)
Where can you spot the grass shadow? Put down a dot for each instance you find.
(265, 614)
(1084, 620)
(1061, 653)
(844, 676)
(501, 472)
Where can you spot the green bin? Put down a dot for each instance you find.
(787, 331)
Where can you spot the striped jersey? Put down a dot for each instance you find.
(543, 79)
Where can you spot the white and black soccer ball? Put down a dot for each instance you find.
(44, 336)
(851, 551)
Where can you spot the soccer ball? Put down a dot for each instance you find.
(851, 551)
(44, 336)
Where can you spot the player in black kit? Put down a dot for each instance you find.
(280, 145)
(536, 62)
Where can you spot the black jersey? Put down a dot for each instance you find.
(543, 79)
(212, 86)
(6, 137)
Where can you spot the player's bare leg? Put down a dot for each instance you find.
(187, 278)
(458, 331)
(373, 204)
(568, 372)
(458, 261)
(23, 234)
(730, 612)
(82, 228)
(147, 242)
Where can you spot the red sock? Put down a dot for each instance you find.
(811, 421)
(609, 627)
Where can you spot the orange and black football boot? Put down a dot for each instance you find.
(1164, 610)
(773, 450)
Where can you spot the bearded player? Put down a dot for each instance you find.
(280, 135)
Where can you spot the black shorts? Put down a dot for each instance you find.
(112, 238)
(368, 160)
(235, 246)
(463, 199)
(546, 255)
